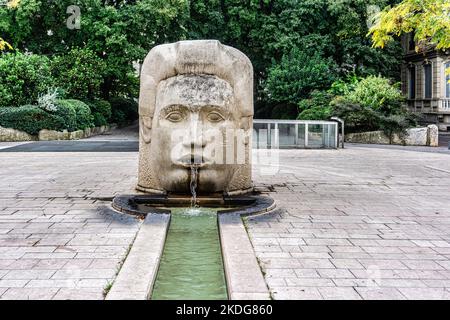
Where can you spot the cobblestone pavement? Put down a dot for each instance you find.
(359, 223)
(57, 239)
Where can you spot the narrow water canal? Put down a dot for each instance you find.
(191, 266)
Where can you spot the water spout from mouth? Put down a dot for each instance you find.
(193, 185)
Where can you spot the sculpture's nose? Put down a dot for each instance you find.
(195, 139)
(194, 142)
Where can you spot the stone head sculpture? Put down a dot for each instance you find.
(195, 110)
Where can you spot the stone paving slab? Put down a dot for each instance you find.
(58, 237)
(358, 223)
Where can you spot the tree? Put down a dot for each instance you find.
(429, 19)
(79, 73)
(267, 30)
(120, 32)
(317, 107)
(298, 73)
(4, 44)
(373, 104)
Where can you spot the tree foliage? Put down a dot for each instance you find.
(373, 104)
(429, 19)
(269, 30)
(79, 72)
(296, 47)
(316, 107)
(119, 32)
(298, 73)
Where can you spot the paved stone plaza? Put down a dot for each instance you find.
(358, 223)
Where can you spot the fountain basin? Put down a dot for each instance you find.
(142, 205)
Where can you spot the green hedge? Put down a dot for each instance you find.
(66, 111)
(83, 117)
(30, 119)
(70, 115)
(99, 119)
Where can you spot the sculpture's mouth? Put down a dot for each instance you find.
(190, 161)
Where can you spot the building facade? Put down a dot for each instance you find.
(425, 83)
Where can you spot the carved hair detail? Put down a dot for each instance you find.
(208, 57)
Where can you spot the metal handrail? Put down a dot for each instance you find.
(292, 121)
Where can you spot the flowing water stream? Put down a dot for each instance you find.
(193, 185)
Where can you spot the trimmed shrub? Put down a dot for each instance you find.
(76, 113)
(66, 110)
(119, 118)
(30, 119)
(124, 110)
(84, 115)
(22, 78)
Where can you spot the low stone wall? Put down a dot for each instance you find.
(426, 136)
(8, 134)
(13, 135)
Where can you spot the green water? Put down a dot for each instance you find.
(191, 265)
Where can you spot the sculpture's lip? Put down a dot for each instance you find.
(190, 165)
(189, 161)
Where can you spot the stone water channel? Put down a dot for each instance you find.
(191, 266)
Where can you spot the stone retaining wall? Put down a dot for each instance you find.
(426, 136)
(13, 135)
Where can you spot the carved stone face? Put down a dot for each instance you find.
(192, 116)
(195, 109)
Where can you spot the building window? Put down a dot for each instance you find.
(447, 81)
(412, 82)
(411, 42)
(428, 75)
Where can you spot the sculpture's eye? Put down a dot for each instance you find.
(215, 117)
(175, 116)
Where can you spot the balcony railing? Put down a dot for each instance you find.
(444, 105)
(273, 134)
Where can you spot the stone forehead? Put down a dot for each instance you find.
(194, 90)
(199, 57)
